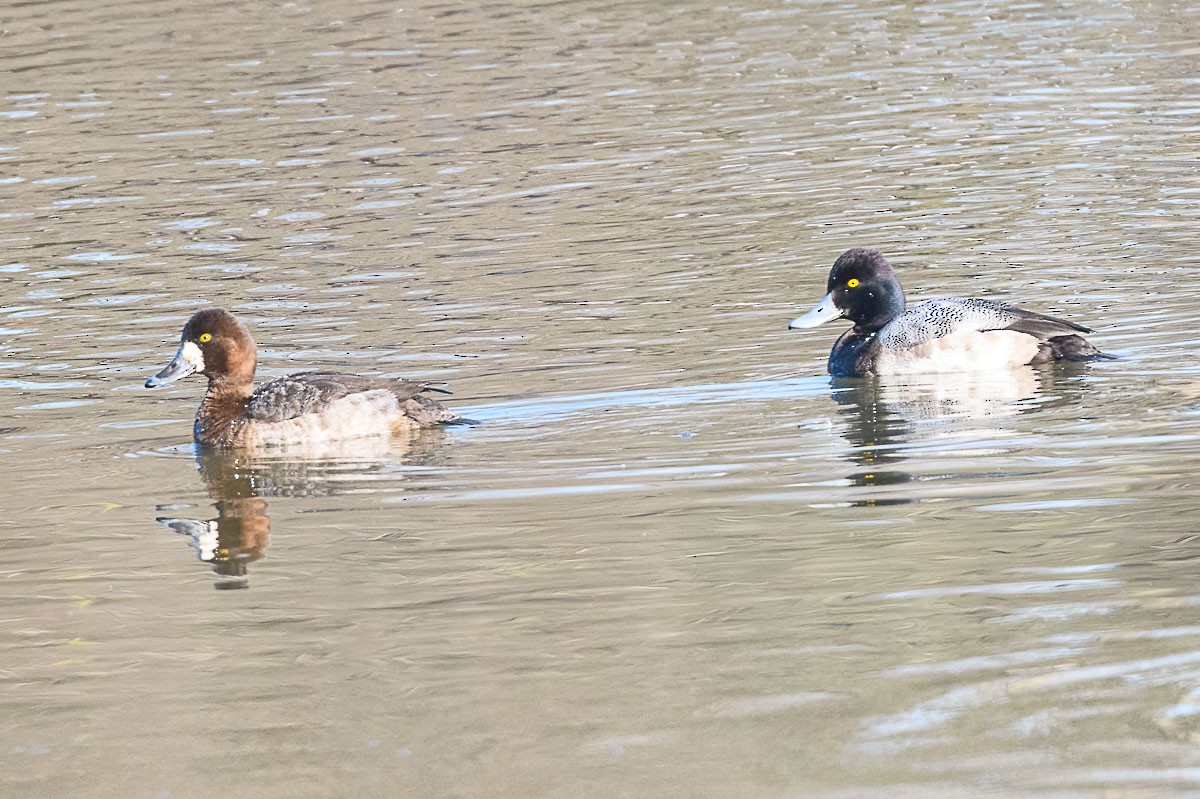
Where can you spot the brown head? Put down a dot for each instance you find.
(215, 344)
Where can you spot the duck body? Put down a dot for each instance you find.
(303, 408)
(943, 335)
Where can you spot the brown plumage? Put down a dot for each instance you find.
(308, 407)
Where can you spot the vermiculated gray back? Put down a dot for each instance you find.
(935, 319)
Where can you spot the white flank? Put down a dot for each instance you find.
(963, 351)
(362, 415)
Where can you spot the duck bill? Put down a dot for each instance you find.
(187, 360)
(822, 312)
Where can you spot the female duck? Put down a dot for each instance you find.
(304, 408)
(951, 335)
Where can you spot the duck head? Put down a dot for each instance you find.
(215, 344)
(862, 288)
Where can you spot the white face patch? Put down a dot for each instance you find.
(191, 355)
(188, 360)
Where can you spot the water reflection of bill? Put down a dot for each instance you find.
(239, 484)
(239, 534)
(887, 417)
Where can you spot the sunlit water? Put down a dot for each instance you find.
(675, 558)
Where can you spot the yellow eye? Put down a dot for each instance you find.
(205, 338)
(852, 283)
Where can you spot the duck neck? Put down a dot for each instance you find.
(223, 404)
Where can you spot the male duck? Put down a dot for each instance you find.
(304, 408)
(950, 335)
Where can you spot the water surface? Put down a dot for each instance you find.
(675, 558)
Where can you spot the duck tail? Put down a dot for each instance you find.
(1074, 348)
(462, 420)
(428, 412)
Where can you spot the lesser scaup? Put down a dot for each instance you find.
(308, 407)
(947, 335)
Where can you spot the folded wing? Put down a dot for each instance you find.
(940, 318)
(312, 392)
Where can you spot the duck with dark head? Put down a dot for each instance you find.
(944, 335)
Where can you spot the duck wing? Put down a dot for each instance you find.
(311, 392)
(936, 319)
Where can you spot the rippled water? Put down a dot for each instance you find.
(675, 558)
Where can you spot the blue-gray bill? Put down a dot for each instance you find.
(822, 312)
(180, 366)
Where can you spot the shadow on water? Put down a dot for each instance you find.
(239, 484)
(888, 420)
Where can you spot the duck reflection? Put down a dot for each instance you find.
(240, 482)
(886, 417)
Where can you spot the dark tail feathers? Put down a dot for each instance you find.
(1071, 348)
